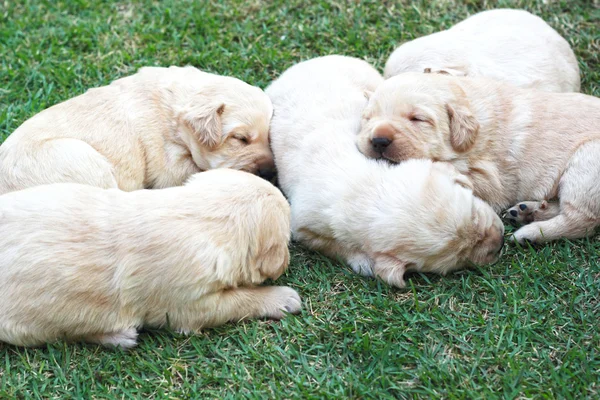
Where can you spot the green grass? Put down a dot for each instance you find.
(526, 327)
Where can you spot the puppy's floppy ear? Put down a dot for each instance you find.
(463, 126)
(272, 236)
(274, 261)
(455, 71)
(205, 121)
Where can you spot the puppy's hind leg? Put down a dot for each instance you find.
(60, 161)
(390, 270)
(236, 304)
(527, 212)
(579, 195)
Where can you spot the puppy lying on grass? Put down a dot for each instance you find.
(90, 264)
(150, 130)
(382, 220)
(509, 45)
(514, 144)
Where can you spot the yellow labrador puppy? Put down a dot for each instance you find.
(83, 263)
(513, 46)
(514, 144)
(382, 220)
(150, 130)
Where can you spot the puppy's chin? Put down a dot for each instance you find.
(363, 144)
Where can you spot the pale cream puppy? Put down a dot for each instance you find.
(509, 45)
(382, 220)
(83, 263)
(514, 144)
(150, 130)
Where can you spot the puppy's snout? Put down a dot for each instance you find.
(267, 173)
(380, 143)
(383, 136)
(266, 169)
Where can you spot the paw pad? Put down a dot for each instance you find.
(521, 214)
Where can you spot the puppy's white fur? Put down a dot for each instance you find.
(84, 263)
(514, 144)
(383, 220)
(509, 45)
(150, 130)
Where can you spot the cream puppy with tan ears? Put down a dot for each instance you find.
(514, 144)
(150, 130)
(382, 220)
(513, 46)
(83, 263)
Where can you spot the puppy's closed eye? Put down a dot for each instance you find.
(418, 118)
(243, 139)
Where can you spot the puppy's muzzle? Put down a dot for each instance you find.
(382, 137)
(267, 174)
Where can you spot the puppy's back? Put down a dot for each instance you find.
(322, 92)
(76, 259)
(505, 44)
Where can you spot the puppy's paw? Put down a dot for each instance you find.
(393, 278)
(524, 213)
(126, 338)
(391, 270)
(529, 234)
(361, 264)
(282, 300)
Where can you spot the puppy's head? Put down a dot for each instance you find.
(225, 124)
(434, 223)
(418, 116)
(472, 233)
(251, 218)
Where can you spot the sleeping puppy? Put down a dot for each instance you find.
(150, 130)
(83, 263)
(514, 144)
(382, 220)
(509, 45)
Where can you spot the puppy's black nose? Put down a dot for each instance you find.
(380, 144)
(267, 173)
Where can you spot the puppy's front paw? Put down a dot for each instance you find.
(393, 278)
(361, 264)
(529, 234)
(524, 213)
(390, 270)
(282, 300)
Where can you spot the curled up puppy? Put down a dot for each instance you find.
(150, 130)
(382, 220)
(89, 264)
(540, 150)
(513, 46)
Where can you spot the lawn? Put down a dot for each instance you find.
(526, 327)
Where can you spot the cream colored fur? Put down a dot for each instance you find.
(150, 130)
(509, 45)
(514, 144)
(83, 263)
(382, 220)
